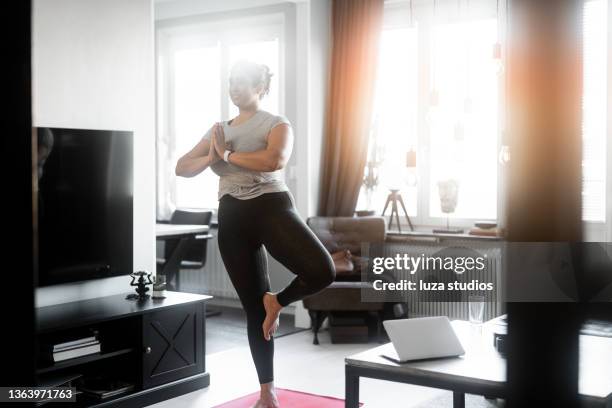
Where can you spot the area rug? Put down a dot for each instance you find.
(289, 398)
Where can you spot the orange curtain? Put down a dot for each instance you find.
(356, 27)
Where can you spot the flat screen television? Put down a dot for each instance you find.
(84, 211)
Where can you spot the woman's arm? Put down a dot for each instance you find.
(274, 157)
(199, 158)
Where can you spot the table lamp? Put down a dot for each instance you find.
(395, 197)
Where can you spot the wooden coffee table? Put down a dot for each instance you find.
(481, 370)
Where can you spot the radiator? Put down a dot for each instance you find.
(212, 279)
(454, 310)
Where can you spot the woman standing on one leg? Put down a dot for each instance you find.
(257, 215)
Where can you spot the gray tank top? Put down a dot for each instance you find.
(249, 136)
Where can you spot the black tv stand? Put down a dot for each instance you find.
(158, 346)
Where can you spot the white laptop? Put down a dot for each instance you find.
(422, 338)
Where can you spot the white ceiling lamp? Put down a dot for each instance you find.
(497, 47)
(411, 14)
(467, 101)
(504, 150)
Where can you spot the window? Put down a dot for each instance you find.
(194, 94)
(463, 125)
(196, 107)
(594, 110)
(394, 130)
(437, 95)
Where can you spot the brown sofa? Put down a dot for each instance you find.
(344, 294)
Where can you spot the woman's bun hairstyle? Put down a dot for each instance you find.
(258, 73)
(266, 78)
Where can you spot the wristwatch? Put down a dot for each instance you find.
(226, 155)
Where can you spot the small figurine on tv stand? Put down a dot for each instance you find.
(144, 279)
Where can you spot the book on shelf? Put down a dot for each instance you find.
(76, 343)
(101, 388)
(76, 352)
(75, 346)
(58, 380)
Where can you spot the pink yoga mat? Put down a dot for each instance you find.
(289, 399)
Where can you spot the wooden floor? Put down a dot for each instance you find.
(301, 366)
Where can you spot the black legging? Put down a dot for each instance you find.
(270, 220)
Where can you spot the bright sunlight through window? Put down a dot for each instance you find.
(463, 121)
(394, 129)
(445, 109)
(594, 110)
(196, 108)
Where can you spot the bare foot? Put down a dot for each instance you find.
(341, 254)
(273, 309)
(267, 397)
(343, 261)
(261, 403)
(267, 401)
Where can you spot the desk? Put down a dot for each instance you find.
(182, 233)
(166, 231)
(481, 371)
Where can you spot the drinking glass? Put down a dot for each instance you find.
(477, 303)
(160, 281)
(159, 287)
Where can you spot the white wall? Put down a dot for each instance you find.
(93, 67)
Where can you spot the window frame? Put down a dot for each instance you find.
(601, 231)
(398, 15)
